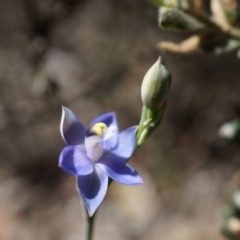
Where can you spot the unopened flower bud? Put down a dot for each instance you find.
(156, 84)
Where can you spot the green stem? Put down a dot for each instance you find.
(90, 224)
(150, 119)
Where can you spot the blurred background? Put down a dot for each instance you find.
(91, 56)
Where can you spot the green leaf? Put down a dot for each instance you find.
(172, 18)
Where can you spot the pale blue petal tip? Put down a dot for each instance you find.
(126, 143)
(72, 131)
(116, 168)
(93, 188)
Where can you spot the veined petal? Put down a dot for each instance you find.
(72, 131)
(93, 188)
(118, 170)
(75, 161)
(126, 143)
(110, 120)
(94, 147)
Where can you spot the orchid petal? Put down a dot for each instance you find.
(75, 161)
(110, 120)
(126, 143)
(94, 147)
(118, 170)
(72, 131)
(93, 188)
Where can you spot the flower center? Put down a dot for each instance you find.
(97, 129)
(95, 136)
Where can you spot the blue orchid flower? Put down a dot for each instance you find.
(96, 153)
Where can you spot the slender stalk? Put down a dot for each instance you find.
(90, 225)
